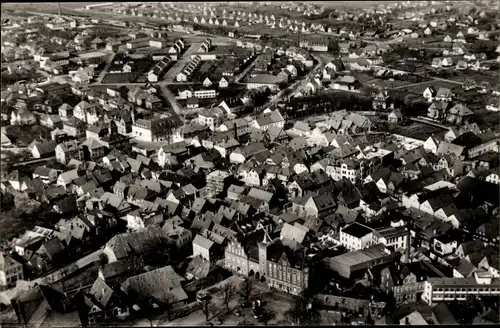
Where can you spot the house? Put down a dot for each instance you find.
(43, 149)
(152, 130)
(461, 65)
(223, 83)
(159, 285)
(356, 236)
(437, 63)
(469, 84)
(205, 248)
(429, 93)
(348, 83)
(444, 94)
(10, 272)
(460, 114)
(395, 116)
(447, 62)
(264, 81)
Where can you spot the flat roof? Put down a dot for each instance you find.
(361, 256)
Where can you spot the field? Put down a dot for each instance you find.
(420, 88)
(488, 120)
(419, 131)
(118, 78)
(477, 76)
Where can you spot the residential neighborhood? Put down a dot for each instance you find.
(250, 163)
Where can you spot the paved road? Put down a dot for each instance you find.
(245, 71)
(106, 68)
(181, 63)
(170, 97)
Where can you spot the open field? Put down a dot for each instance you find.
(420, 88)
(117, 78)
(419, 131)
(477, 76)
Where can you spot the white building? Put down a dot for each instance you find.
(449, 289)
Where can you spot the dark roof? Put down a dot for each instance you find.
(357, 230)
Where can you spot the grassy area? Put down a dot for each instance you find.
(419, 131)
(420, 88)
(488, 120)
(13, 225)
(477, 76)
(118, 78)
(22, 136)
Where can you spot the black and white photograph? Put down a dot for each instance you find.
(250, 163)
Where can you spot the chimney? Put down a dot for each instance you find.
(235, 131)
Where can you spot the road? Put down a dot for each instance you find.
(170, 97)
(245, 71)
(105, 69)
(181, 63)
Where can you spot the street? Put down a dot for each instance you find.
(170, 98)
(180, 63)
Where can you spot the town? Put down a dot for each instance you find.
(250, 163)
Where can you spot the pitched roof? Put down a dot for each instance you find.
(296, 232)
(161, 284)
(203, 242)
(134, 243)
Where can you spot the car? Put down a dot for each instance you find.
(218, 322)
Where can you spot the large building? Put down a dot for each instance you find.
(351, 262)
(286, 265)
(215, 182)
(356, 236)
(152, 130)
(449, 289)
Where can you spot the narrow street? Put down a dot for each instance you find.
(170, 98)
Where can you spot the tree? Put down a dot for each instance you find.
(228, 292)
(246, 290)
(207, 307)
(300, 313)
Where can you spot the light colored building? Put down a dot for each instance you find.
(356, 236)
(10, 272)
(203, 247)
(449, 289)
(152, 130)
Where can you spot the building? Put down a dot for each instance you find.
(449, 289)
(66, 151)
(242, 256)
(352, 262)
(264, 81)
(10, 272)
(356, 236)
(287, 265)
(152, 130)
(215, 182)
(205, 94)
(204, 248)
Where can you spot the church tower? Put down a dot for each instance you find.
(263, 253)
